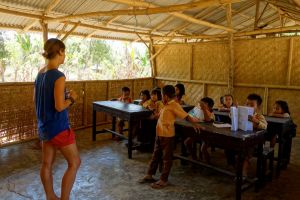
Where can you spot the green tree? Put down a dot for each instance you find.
(3, 57)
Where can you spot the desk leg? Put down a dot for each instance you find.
(113, 125)
(94, 125)
(259, 172)
(239, 176)
(129, 139)
(280, 152)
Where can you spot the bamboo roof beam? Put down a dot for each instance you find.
(30, 25)
(153, 9)
(256, 14)
(51, 6)
(91, 34)
(62, 30)
(68, 33)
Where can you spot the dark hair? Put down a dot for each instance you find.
(157, 92)
(169, 90)
(210, 102)
(181, 89)
(146, 93)
(228, 95)
(222, 100)
(255, 97)
(52, 47)
(284, 106)
(125, 89)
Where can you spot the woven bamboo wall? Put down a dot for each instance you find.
(269, 67)
(17, 114)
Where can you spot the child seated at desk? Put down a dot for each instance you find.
(259, 123)
(180, 92)
(154, 103)
(227, 103)
(125, 97)
(165, 138)
(204, 113)
(144, 96)
(280, 109)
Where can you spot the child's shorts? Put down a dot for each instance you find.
(63, 139)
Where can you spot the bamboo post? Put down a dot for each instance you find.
(231, 51)
(191, 61)
(290, 62)
(85, 122)
(266, 96)
(45, 30)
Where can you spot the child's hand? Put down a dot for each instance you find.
(204, 106)
(253, 119)
(198, 128)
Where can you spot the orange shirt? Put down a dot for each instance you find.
(169, 113)
(129, 100)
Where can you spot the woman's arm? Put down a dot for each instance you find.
(59, 95)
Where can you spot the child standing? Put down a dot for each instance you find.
(280, 109)
(165, 137)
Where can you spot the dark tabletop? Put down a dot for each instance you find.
(118, 105)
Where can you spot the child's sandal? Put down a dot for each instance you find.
(158, 185)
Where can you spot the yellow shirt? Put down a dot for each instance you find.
(169, 113)
(156, 106)
(262, 121)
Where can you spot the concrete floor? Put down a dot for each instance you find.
(107, 174)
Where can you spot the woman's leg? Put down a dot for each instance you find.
(48, 157)
(71, 154)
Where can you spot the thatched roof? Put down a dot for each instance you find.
(134, 20)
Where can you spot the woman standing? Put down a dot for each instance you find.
(51, 103)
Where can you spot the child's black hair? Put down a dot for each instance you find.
(255, 97)
(169, 90)
(157, 92)
(181, 89)
(284, 106)
(125, 89)
(210, 102)
(222, 100)
(146, 93)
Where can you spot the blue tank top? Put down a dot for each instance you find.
(50, 121)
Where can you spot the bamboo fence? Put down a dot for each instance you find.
(17, 113)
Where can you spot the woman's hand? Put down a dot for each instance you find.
(73, 94)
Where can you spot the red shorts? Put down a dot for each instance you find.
(63, 139)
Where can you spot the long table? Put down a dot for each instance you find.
(280, 126)
(130, 112)
(239, 141)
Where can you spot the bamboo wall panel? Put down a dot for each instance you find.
(95, 91)
(115, 88)
(215, 92)
(76, 110)
(17, 114)
(240, 95)
(193, 93)
(142, 84)
(261, 61)
(292, 98)
(173, 61)
(211, 62)
(295, 72)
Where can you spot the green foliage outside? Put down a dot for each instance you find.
(86, 59)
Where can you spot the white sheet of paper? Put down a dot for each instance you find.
(243, 122)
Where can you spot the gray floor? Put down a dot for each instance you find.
(107, 174)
